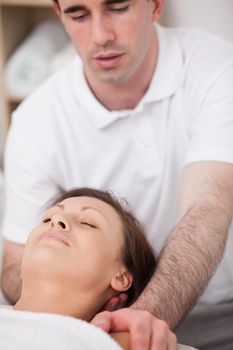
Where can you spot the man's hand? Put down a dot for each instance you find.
(116, 303)
(146, 331)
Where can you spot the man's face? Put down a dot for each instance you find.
(112, 37)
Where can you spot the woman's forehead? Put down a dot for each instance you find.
(85, 202)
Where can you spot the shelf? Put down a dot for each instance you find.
(14, 98)
(17, 19)
(34, 3)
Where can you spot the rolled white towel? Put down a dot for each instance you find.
(29, 64)
(65, 55)
(36, 331)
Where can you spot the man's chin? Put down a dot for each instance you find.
(111, 77)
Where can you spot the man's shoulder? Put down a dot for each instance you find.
(190, 36)
(54, 90)
(201, 54)
(202, 45)
(205, 56)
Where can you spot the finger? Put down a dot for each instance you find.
(160, 336)
(103, 321)
(113, 304)
(172, 342)
(138, 325)
(123, 298)
(140, 336)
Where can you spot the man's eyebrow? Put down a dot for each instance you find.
(110, 2)
(74, 8)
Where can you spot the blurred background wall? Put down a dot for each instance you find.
(1, 131)
(212, 15)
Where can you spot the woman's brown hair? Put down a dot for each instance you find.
(137, 253)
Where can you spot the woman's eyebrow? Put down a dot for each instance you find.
(84, 208)
(61, 206)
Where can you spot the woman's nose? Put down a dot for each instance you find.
(60, 222)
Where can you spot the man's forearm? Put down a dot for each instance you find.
(186, 263)
(11, 283)
(11, 270)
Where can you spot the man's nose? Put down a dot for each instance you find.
(102, 31)
(60, 222)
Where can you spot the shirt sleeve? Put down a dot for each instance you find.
(28, 184)
(211, 126)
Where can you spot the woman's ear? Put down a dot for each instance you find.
(122, 281)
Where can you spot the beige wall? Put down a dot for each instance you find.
(212, 15)
(1, 132)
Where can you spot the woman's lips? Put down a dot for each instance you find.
(56, 236)
(110, 61)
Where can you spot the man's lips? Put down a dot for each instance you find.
(54, 235)
(108, 61)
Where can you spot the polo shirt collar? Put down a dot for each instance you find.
(93, 109)
(166, 81)
(169, 74)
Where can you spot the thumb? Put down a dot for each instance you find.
(103, 321)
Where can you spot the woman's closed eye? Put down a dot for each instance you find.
(88, 224)
(46, 220)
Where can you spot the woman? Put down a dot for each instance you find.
(87, 249)
(89, 242)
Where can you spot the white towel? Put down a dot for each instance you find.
(36, 331)
(64, 56)
(29, 64)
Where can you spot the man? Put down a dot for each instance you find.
(148, 113)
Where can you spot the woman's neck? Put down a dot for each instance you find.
(59, 301)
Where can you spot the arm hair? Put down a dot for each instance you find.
(193, 251)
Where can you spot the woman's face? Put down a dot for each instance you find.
(78, 243)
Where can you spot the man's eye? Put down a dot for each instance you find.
(87, 223)
(120, 9)
(79, 18)
(46, 220)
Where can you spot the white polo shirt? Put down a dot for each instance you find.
(62, 137)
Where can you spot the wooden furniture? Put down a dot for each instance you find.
(17, 18)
